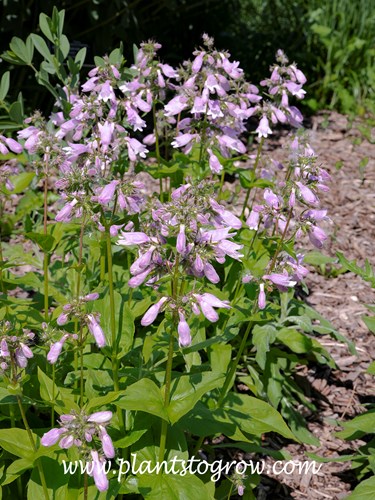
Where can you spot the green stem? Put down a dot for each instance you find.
(168, 378)
(46, 256)
(2, 285)
(32, 442)
(230, 375)
(85, 487)
(75, 362)
(111, 292)
(157, 148)
(130, 290)
(102, 258)
(279, 246)
(168, 371)
(78, 292)
(82, 378)
(260, 147)
(230, 492)
(229, 378)
(53, 395)
(233, 368)
(221, 184)
(115, 364)
(13, 425)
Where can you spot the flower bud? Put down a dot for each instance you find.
(183, 329)
(51, 437)
(100, 417)
(152, 312)
(96, 330)
(261, 297)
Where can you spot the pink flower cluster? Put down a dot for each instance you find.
(291, 210)
(14, 348)
(203, 232)
(82, 431)
(76, 310)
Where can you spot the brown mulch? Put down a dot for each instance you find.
(339, 394)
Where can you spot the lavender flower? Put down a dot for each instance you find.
(282, 280)
(96, 330)
(261, 297)
(107, 193)
(65, 213)
(153, 311)
(77, 428)
(253, 220)
(307, 194)
(183, 331)
(207, 302)
(55, 349)
(14, 347)
(100, 478)
(317, 236)
(51, 437)
(263, 129)
(181, 240)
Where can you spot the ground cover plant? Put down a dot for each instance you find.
(129, 308)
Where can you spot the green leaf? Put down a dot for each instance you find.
(42, 78)
(296, 341)
(146, 396)
(15, 112)
(61, 397)
(115, 57)
(23, 51)
(364, 491)
(316, 258)
(303, 322)
(201, 421)
(371, 368)
(124, 321)
(64, 46)
(321, 30)
(187, 390)
(44, 241)
(263, 336)
(358, 426)
(172, 487)
(80, 57)
(126, 329)
(29, 49)
(45, 26)
(220, 356)
(367, 273)
(101, 401)
(57, 481)
(19, 466)
(41, 47)
(323, 326)
(20, 182)
(17, 442)
(16, 469)
(97, 383)
(60, 22)
(255, 416)
(298, 424)
(4, 85)
(370, 322)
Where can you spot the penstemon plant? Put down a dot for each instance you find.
(149, 301)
